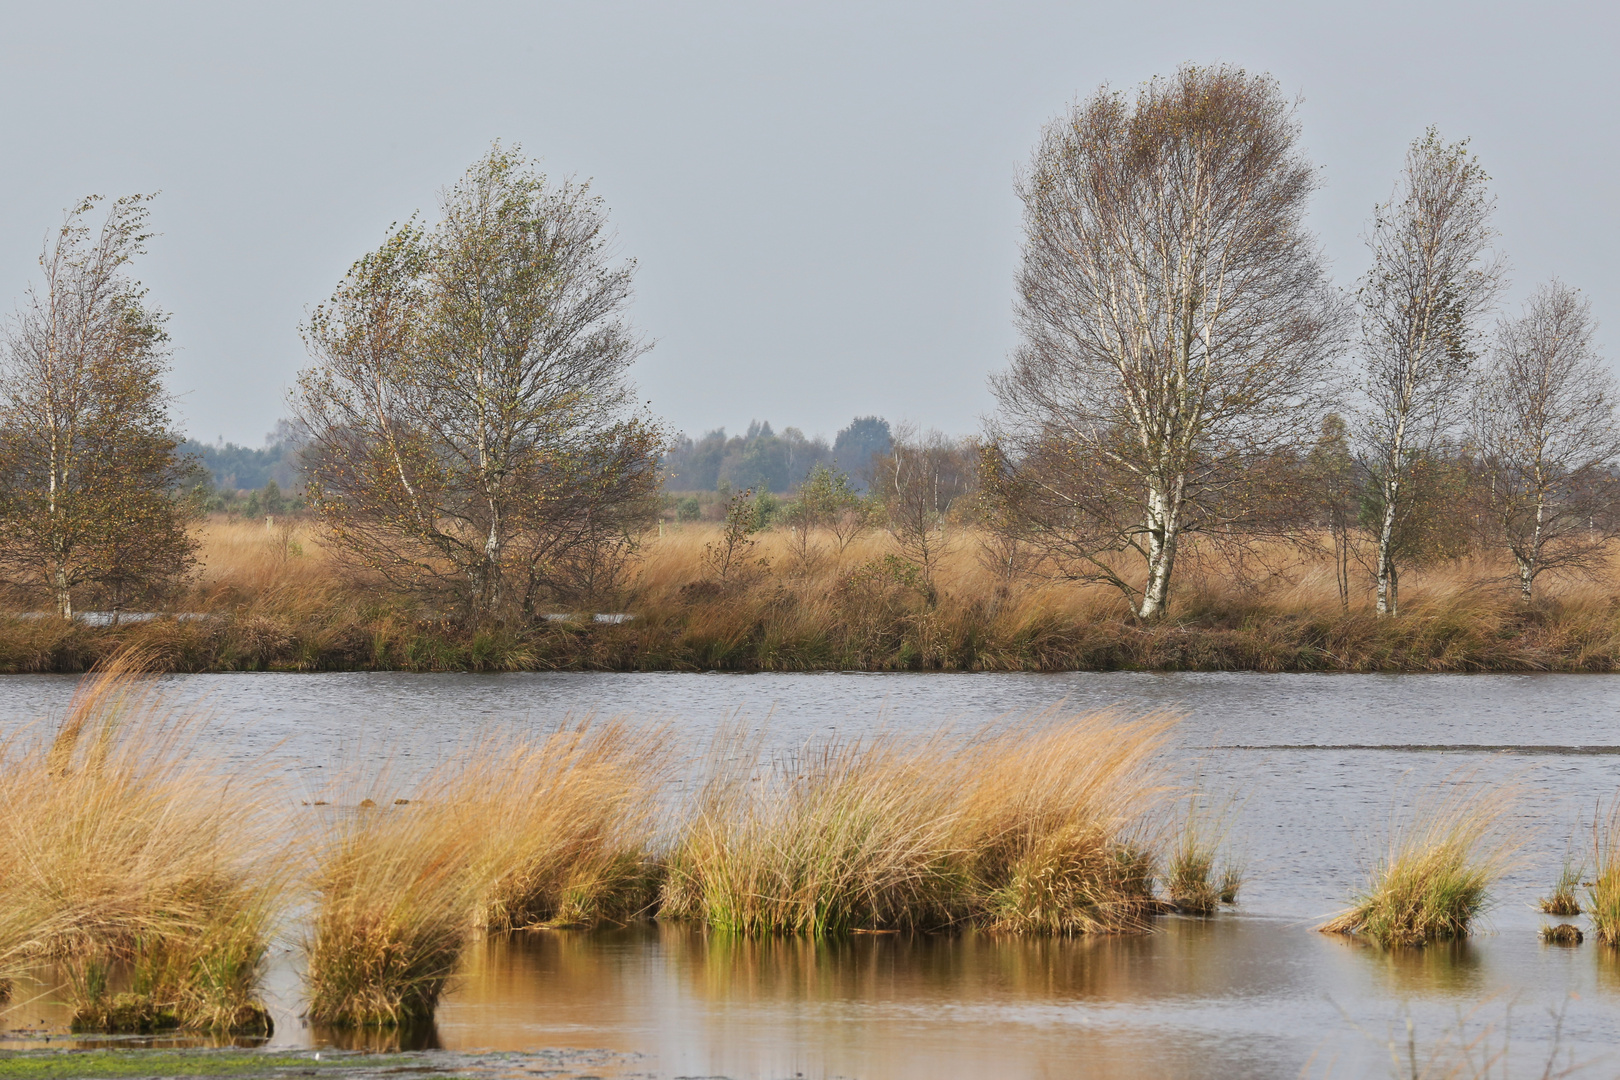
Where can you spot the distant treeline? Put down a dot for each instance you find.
(762, 459)
(240, 468)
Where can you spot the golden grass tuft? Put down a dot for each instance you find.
(395, 895)
(567, 824)
(1435, 878)
(1603, 894)
(1200, 870)
(145, 871)
(1039, 826)
(511, 834)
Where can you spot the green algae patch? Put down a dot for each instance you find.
(110, 1064)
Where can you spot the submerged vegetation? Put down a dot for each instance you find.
(1434, 879)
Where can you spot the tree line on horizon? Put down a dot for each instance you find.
(1189, 382)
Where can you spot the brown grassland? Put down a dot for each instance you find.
(277, 600)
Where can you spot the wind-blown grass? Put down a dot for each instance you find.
(395, 894)
(510, 834)
(1039, 826)
(143, 870)
(1435, 877)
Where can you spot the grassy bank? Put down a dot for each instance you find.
(275, 600)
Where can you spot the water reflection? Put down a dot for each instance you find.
(1444, 968)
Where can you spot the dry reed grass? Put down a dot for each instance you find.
(568, 824)
(1435, 877)
(1603, 894)
(1039, 826)
(143, 871)
(280, 600)
(554, 830)
(395, 895)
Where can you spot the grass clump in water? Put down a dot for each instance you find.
(554, 830)
(1198, 874)
(1561, 934)
(1603, 894)
(1435, 879)
(1562, 901)
(395, 893)
(1032, 827)
(141, 868)
(567, 823)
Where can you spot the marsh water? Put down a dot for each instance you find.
(1316, 765)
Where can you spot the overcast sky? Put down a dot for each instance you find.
(819, 196)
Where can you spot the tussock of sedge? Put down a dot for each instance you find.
(143, 871)
(516, 832)
(1441, 862)
(1603, 893)
(1039, 826)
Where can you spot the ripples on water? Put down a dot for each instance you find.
(1318, 762)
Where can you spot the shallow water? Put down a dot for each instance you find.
(1318, 763)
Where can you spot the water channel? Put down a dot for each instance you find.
(1317, 763)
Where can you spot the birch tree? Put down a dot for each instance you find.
(471, 430)
(88, 465)
(1177, 325)
(1433, 278)
(1545, 431)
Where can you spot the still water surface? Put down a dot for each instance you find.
(1318, 762)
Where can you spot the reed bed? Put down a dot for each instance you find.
(1435, 877)
(144, 873)
(276, 598)
(1040, 826)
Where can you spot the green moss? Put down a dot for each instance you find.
(50, 1064)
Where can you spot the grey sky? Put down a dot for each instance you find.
(819, 195)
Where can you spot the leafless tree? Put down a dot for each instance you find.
(1433, 278)
(1178, 326)
(469, 421)
(917, 483)
(1545, 431)
(88, 464)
